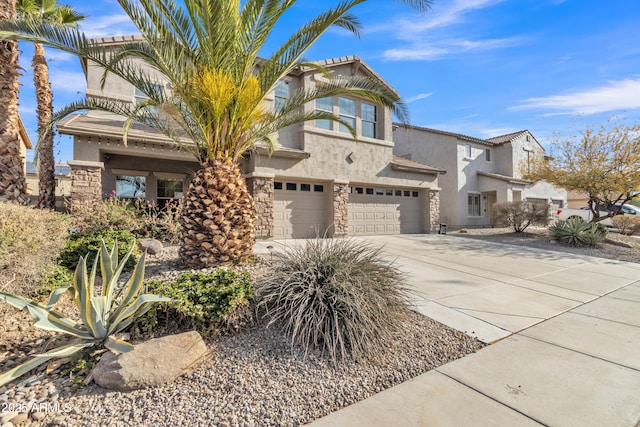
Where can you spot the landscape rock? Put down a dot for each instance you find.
(152, 363)
(151, 246)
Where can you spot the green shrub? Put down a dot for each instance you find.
(577, 232)
(30, 241)
(57, 277)
(336, 295)
(520, 215)
(203, 301)
(80, 244)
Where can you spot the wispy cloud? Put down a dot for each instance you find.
(71, 82)
(438, 49)
(418, 97)
(109, 25)
(616, 95)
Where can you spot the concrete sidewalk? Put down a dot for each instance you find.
(566, 334)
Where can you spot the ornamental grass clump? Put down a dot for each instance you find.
(577, 232)
(337, 296)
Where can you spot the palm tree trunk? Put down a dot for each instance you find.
(13, 185)
(46, 173)
(218, 217)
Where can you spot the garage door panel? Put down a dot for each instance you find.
(384, 214)
(298, 214)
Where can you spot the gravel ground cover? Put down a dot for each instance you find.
(615, 246)
(250, 379)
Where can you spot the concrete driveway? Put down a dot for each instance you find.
(565, 331)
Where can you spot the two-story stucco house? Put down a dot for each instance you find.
(318, 180)
(480, 172)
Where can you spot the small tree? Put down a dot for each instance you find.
(520, 215)
(602, 162)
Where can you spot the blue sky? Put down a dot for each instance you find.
(478, 67)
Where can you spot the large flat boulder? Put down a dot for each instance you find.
(151, 363)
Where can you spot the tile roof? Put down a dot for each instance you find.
(502, 139)
(453, 134)
(63, 170)
(401, 163)
(507, 178)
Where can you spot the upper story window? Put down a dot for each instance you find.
(141, 97)
(467, 151)
(487, 154)
(326, 105)
(368, 120)
(347, 112)
(281, 94)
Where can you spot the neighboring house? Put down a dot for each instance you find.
(25, 143)
(577, 199)
(318, 180)
(480, 172)
(63, 184)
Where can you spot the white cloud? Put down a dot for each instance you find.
(59, 56)
(438, 49)
(616, 95)
(67, 81)
(109, 25)
(418, 97)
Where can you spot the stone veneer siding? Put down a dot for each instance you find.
(434, 210)
(86, 180)
(262, 191)
(340, 218)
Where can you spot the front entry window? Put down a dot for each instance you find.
(169, 189)
(130, 187)
(473, 204)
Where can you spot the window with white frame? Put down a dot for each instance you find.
(467, 151)
(473, 204)
(368, 120)
(487, 154)
(347, 112)
(326, 105)
(281, 94)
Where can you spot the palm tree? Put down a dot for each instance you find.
(13, 184)
(208, 50)
(46, 11)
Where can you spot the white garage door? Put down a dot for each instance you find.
(383, 211)
(299, 209)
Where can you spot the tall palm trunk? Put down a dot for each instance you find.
(13, 184)
(46, 173)
(218, 217)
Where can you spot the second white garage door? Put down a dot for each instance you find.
(384, 211)
(299, 210)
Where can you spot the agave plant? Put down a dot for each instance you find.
(578, 232)
(101, 316)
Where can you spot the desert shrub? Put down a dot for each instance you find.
(336, 295)
(159, 222)
(520, 215)
(202, 301)
(80, 244)
(143, 218)
(626, 224)
(92, 216)
(577, 232)
(30, 241)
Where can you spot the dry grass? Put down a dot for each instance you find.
(30, 241)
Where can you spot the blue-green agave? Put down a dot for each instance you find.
(102, 316)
